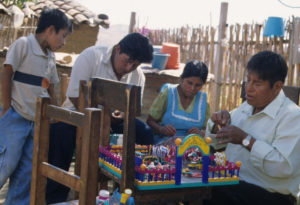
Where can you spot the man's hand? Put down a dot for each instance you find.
(221, 118)
(117, 117)
(231, 134)
(167, 130)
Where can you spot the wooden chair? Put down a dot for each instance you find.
(126, 98)
(290, 91)
(86, 183)
(64, 81)
(82, 103)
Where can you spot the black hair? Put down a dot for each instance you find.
(269, 66)
(53, 17)
(195, 68)
(137, 47)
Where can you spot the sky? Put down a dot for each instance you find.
(158, 14)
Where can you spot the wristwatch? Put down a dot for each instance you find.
(246, 141)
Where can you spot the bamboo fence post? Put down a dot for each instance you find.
(2, 17)
(265, 43)
(251, 44)
(211, 59)
(224, 84)
(298, 75)
(9, 31)
(257, 40)
(5, 33)
(231, 67)
(241, 70)
(199, 52)
(219, 57)
(132, 22)
(237, 60)
(291, 52)
(280, 45)
(275, 44)
(245, 53)
(206, 43)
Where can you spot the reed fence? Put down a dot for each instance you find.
(9, 33)
(239, 44)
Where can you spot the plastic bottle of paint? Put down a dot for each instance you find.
(103, 198)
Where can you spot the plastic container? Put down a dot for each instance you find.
(120, 139)
(113, 139)
(174, 50)
(274, 27)
(156, 48)
(160, 60)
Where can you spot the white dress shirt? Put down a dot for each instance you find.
(274, 160)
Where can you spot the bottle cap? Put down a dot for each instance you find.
(128, 191)
(104, 193)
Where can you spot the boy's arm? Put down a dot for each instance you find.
(7, 74)
(52, 94)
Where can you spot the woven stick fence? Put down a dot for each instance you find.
(241, 42)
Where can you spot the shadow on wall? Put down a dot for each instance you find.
(112, 35)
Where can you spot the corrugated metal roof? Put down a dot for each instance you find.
(78, 13)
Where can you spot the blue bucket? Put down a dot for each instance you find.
(160, 60)
(274, 27)
(157, 48)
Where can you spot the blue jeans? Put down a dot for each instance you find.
(61, 147)
(16, 146)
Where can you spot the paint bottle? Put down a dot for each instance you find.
(103, 198)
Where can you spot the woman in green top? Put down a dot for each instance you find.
(181, 109)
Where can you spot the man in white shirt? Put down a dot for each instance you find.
(264, 134)
(119, 63)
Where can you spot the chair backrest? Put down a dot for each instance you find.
(82, 103)
(86, 183)
(64, 81)
(125, 98)
(290, 91)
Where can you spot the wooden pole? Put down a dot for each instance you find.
(219, 57)
(132, 22)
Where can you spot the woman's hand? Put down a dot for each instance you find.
(195, 130)
(167, 130)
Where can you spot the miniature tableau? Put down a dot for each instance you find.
(188, 163)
